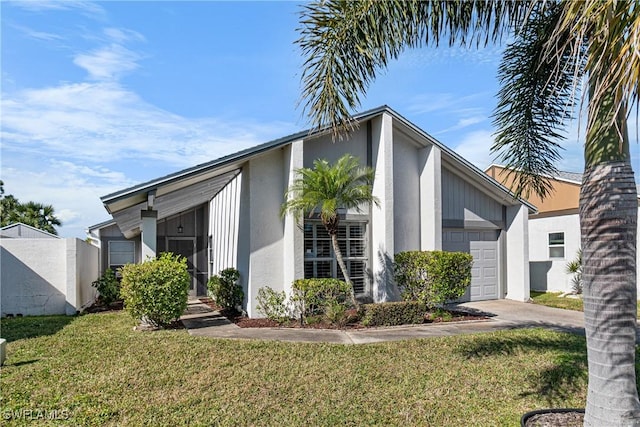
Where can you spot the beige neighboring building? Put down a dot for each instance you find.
(554, 232)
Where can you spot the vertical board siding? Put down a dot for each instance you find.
(223, 227)
(461, 200)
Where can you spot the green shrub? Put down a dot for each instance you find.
(272, 304)
(432, 277)
(157, 290)
(311, 296)
(108, 287)
(225, 290)
(393, 313)
(336, 313)
(575, 269)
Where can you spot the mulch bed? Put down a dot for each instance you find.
(319, 323)
(100, 307)
(564, 419)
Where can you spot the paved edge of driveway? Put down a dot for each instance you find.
(200, 320)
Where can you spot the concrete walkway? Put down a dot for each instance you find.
(200, 320)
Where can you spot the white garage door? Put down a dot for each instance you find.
(483, 246)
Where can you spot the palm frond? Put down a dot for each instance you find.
(612, 29)
(538, 79)
(326, 187)
(345, 43)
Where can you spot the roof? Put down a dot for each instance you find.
(252, 151)
(574, 177)
(100, 225)
(217, 173)
(31, 232)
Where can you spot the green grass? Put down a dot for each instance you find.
(95, 370)
(552, 299)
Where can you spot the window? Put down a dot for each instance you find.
(121, 253)
(556, 245)
(319, 257)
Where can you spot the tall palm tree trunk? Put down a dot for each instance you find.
(608, 224)
(608, 217)
(343, 267)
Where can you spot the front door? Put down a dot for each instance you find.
(186, 247)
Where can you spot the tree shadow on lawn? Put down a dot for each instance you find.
(566, 375)
(18, 328)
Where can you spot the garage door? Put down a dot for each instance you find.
(483, 246)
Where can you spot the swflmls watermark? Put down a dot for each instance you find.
(36, 414)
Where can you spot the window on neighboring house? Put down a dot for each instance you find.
(556, 245)
(319, 257)
(121, 253)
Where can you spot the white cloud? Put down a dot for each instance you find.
(108, 63)
(463, 123)
(476, 147)
(425, 57)
(121, 35)
(38, 35)
(426, 103)
(72, 188)
(105, 121)
(86, 7)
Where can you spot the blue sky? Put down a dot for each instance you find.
(99, 96)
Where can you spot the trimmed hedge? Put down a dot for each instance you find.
(393, 313)
(432, 277)
(156, 291)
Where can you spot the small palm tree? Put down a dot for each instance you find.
(325, 189)
(574, 268)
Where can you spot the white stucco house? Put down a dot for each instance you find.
(554, 231)
(226, 213)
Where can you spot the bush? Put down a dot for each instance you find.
(336, 313)
(108, 287)
(272, 304)
(225, 290)
(312, 296)
(393, 313)
(432, 277)
(156, 291)
(575, 269)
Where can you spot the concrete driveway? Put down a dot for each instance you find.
(200, 320)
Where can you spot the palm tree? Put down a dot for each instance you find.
(325, 189)
(557, 45)
(37, 215)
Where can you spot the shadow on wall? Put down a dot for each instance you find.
(24, 291)
(538, 273)
(384, 284)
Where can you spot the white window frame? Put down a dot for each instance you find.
(361, 281)
(131, 242)
(552, 246)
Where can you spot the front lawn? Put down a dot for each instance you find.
(553, 299)
(95, 370)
